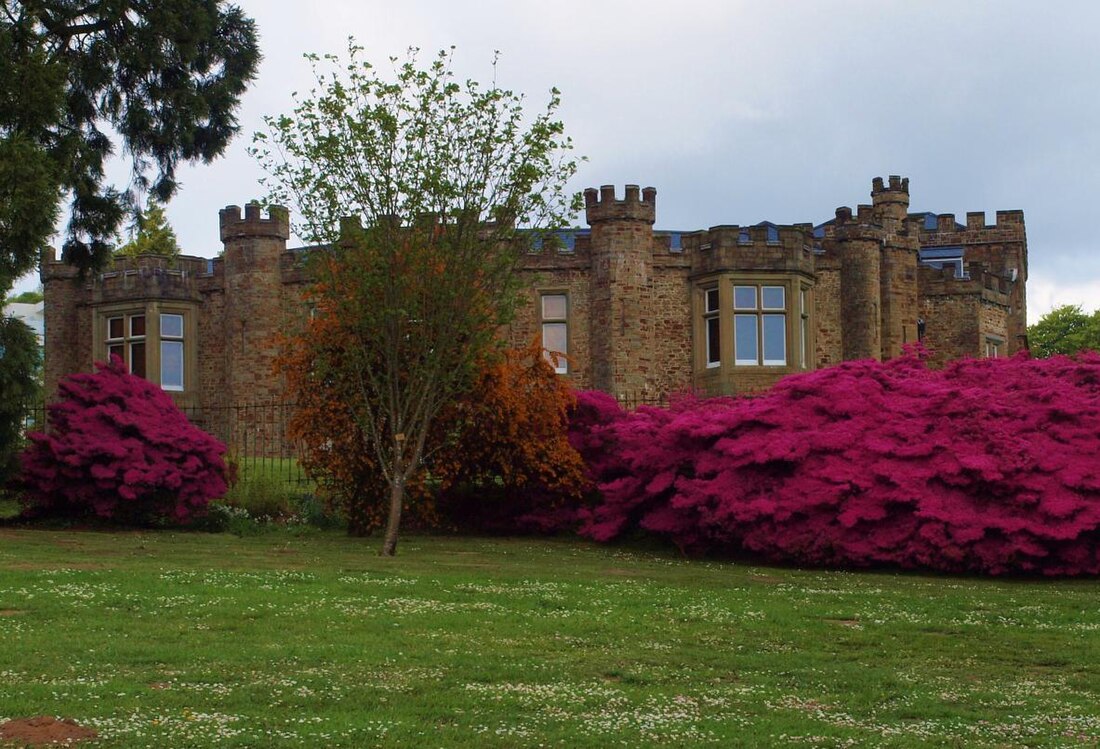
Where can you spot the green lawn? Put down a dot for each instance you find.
(193, 640)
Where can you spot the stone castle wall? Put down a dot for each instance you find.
(634, 295)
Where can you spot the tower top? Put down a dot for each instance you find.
(276, 226)
(891, 199)
(636, 205)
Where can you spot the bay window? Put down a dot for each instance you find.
(154, 341)
(760, 325)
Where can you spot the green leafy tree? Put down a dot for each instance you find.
(26, 297)
(1065, 330)
(20, 360)
(438, 174)
(166, 76)
(152, 234)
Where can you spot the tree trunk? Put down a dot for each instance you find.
(393, 521)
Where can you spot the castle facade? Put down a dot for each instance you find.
(636, 312)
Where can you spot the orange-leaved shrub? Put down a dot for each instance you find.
(511, 467)
(498, 457)
(335, 453)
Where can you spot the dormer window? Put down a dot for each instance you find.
(944, 257)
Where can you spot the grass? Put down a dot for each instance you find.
(268, 487)
(277, 469)
(166, 639)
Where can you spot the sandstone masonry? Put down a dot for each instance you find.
(639, 312)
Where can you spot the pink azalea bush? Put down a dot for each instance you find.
(986, 465)
(119, 448)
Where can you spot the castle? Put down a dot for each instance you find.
(728, 309)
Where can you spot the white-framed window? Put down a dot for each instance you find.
(554, 313)
(125, 338)
(759, 325)
(171, 351)
(712, 327)
(994, 347)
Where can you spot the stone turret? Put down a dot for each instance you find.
(253, 300)
(859, 239)
(622, 262)
(891, 201)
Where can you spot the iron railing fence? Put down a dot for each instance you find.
(256, 439)
(255, 435)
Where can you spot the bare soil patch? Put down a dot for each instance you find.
(43, 730)
(769, 579)
(32, 567)
(853, 623)
(12, 612)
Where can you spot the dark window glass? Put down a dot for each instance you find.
(714, 343)
(712, 300)
(114, 327)
(137, 326)
(137, 359)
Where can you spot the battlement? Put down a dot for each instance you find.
(763, 247)
(896, 185)
(978, 281)
(1010, 220)
(233, 226)
(891, 200)
(636, 205)
(864, 215)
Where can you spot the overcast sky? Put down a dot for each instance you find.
(739, 112)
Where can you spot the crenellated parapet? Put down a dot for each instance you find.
(253, 223)
(636, 205)
(50, 268)
(1007, 227)
(863, 224)
(181, 278)
(980, 282)
(764, 247)
(891, 199)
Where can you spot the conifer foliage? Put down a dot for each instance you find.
(166, 77)
(119, 448)
(153, 235)
(19, 388)
(985, 465)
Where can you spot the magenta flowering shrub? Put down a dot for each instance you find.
(119, 448)
(987, 465)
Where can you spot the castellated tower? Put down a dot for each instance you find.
(622, 259)
(253, 300)
(858, 242)
(898, 277)
(879, 252)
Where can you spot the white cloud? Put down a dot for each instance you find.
(739, 111)
(1044, 293)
